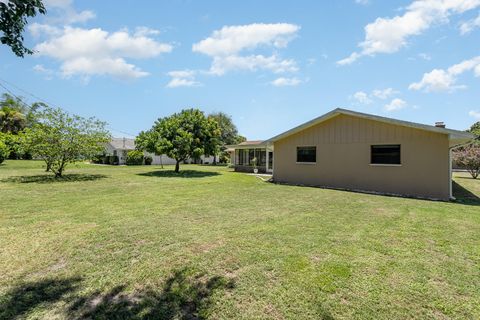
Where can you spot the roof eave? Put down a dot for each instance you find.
(453, 134)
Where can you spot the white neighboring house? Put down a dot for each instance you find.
(121, 146)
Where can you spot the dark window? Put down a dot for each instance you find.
(385, 154)
(306, 154)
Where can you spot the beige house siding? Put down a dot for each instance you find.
(343, 158)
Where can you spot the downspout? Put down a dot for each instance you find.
(450, 185)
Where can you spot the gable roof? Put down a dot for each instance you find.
(122, 143)
(455, 136)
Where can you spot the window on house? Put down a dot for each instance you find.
(307, 154)
(385, 154)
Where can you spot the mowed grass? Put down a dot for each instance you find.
(144, 242)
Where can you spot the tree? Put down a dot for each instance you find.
(15, 116)
(475, 130)
(469, 158)
(181, 136)
(4, 151)
(147, 141)
(13, 19)
(59, 138)
(228, 132)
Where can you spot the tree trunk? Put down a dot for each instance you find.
(177, 166)
(49, 166)
(59, 172)
(214, 159)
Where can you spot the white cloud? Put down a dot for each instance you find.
(182, 78)
(227, 46)
(475, 114)
(100, 52)
(362, 97)
(43, 30)
(425, 56)
(222, 65)
(445, 80)
(468, 26)
(395, 105)
(48, 73)
(283, 82)
(233, 39)
(362, 2)
(67, 13)
(384, 93)
(146, 31)
(350, 59)
(388, 35)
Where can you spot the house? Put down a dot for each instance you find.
(121, 146)
(356, 151)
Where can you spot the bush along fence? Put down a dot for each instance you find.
(106, 159)
(134, 158)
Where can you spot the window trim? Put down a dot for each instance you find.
(305, 162)
(386, 164)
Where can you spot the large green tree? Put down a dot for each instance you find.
(4, 150)
(228, 132)
(59, 138)
(475, 130)
(13, 19)
(15, 116)
(183, 135)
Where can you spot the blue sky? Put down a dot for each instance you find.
(271, 65)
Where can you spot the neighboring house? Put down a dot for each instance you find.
(121, 146)
(362, 152)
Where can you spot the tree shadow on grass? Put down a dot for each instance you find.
(50, 178)
(464, 196)
(25, 297)
(181, 174)
(185, 295)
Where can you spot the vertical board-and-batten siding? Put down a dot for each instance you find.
(343, 158)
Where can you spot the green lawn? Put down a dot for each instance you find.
(142, 242)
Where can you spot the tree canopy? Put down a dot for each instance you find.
(59, 138)
(228, 131)
(475, 130)
(469, 158)
(13, 19)
(183, 135)
(15, 116)
(4, 150)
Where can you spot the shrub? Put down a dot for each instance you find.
(3, 151)
(148, 160)
(98, 159)
(224, 158)
(134, 158)
(113, 160)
